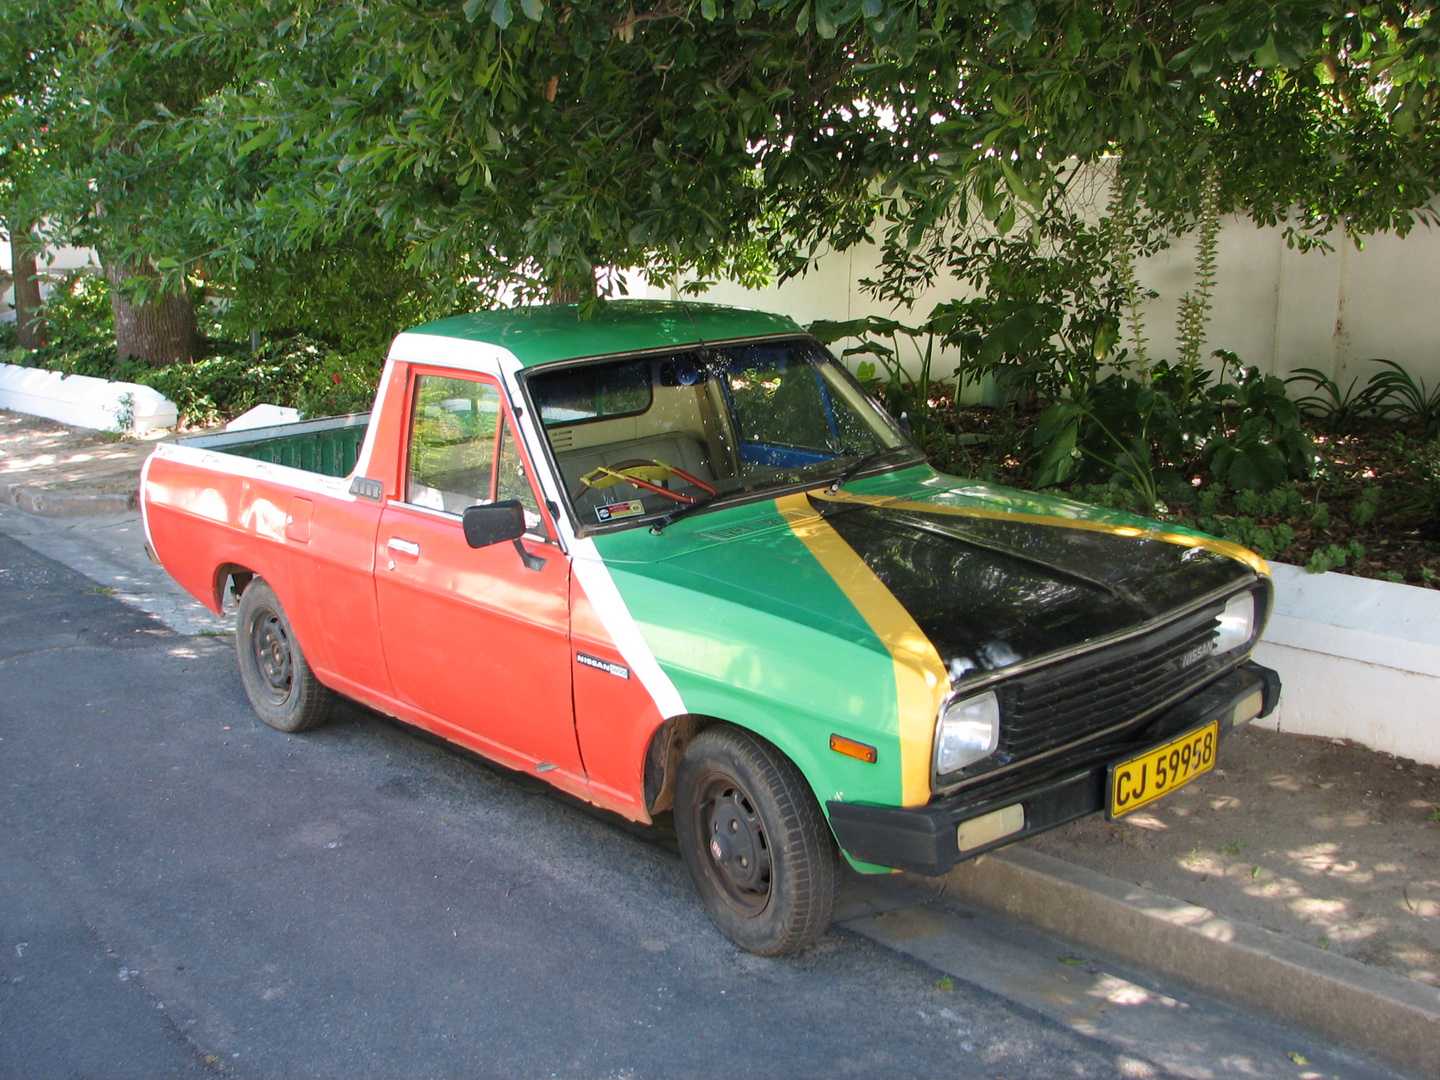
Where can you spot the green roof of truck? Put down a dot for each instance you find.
(538, 335)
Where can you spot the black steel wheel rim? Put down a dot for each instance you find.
(734, 848)
(274, 658)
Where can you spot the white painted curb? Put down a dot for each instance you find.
(82, 401)
(1359, 659)
(265, 415)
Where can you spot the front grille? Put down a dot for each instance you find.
(1066, 702)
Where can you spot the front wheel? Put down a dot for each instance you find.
(755, 842)
(277, 678)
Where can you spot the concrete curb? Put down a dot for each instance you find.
(49, 502)
(1338, 998)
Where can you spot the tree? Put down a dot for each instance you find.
(27, 39)
(532, 145)
(514, 148)
(110, 176)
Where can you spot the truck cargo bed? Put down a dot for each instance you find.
(328, 446)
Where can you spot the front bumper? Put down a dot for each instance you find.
(924, 839)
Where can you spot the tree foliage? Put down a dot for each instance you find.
(510, 148)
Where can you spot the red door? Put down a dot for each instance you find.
(475, 638)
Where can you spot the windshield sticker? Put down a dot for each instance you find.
(620, 671)
(616, 511)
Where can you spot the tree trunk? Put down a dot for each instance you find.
(160, 332)
(571, 288)
(29, 324)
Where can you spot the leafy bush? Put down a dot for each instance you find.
(1260, 444)
(340, 384)
(80, 327)
(226, 384)
(1406, 398)
(1151, 433)
(1339, 410)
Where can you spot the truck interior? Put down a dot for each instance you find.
(641, 435)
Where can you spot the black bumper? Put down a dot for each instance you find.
(923, 839)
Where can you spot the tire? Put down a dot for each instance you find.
(755, 842)
(278, 681)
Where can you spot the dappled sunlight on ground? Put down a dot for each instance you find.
(1147, 821)
(38, 451)
(1328, 843)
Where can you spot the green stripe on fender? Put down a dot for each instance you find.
(756, 631)
(921, 680)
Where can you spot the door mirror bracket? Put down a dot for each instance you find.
(532, 562)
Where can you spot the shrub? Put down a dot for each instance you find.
(340, 384)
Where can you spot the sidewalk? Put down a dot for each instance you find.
(1316, 860)
(56, 471)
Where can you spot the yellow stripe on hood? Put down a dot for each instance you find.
(921, 679)
(1208, 543)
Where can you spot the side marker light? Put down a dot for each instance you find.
(851, 748)
(986, 829)
(1248, 709)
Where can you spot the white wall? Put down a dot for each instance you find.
(1274, 306)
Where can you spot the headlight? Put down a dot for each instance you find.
(967, 731)
(1237, 623)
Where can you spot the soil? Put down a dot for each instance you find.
(1318, 839)
(35, 452)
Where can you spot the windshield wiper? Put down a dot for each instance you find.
(848, 473)
(684, 511)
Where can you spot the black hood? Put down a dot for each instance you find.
(990, 592)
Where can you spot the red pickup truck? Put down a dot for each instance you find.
(674, 558)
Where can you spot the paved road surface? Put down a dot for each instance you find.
(188, 892)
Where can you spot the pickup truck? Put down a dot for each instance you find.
(674, 559)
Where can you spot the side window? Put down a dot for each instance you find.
(511, 481)
(453, 437)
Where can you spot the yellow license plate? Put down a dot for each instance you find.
(1155, 773)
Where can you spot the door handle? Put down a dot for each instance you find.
(405, 547)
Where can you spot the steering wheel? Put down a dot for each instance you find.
(645, 473)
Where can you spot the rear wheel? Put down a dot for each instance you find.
(755, 842)
(278, 681)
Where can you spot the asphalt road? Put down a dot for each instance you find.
(188, 892)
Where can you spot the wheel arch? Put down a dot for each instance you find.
(801, 734)
(667, 746)
(231, 577)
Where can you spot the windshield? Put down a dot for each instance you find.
(643, 437)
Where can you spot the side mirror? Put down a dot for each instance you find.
(494, 523)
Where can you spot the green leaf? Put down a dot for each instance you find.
(534, 9)
(1106, 336)
(707, 10)
(1252, 467)
(1018, 187)
(1021, 17)
(500, 13)
(1267, 56)
(824, 20)
(832, 330)
(1057, 456)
